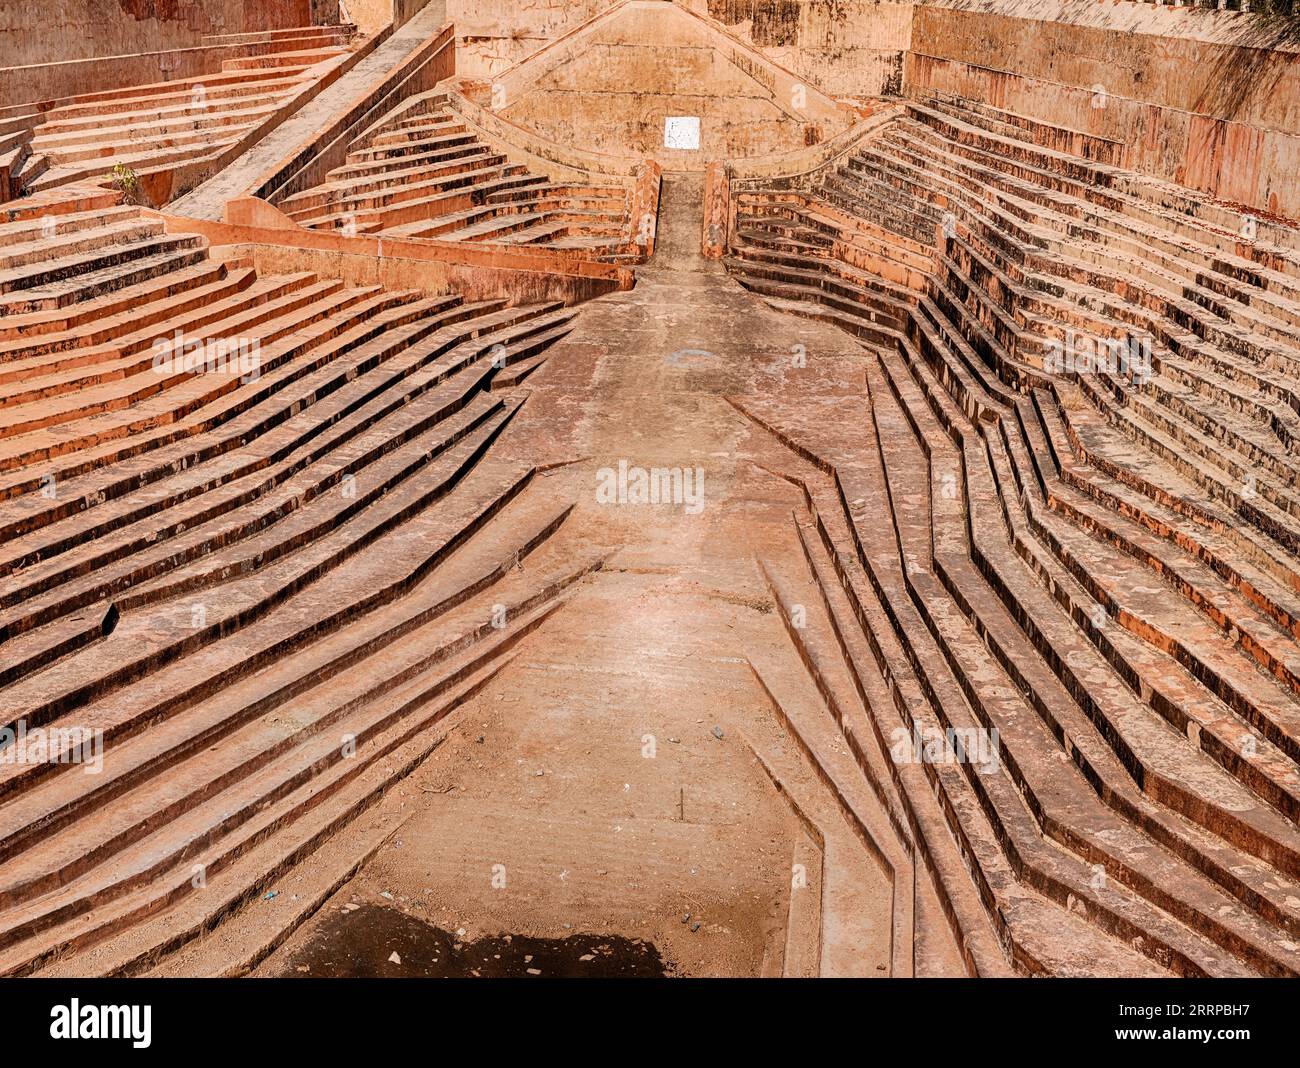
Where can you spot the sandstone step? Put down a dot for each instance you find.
(85, 278)
(340, 30)
(302, 58)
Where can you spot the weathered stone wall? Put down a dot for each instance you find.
(1208, 99)
(49, 31)
(494, 35)
(611, 88)
(845, 47)
(371, 16)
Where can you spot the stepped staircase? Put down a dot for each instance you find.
(258, 586)
(1080, 425)
(425, 173)
(151, 129)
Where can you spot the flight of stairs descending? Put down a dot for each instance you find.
(251, 586)
(146, 129)
(1064, 509)
(16, 125)
(425, 173)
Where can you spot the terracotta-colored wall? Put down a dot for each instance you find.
(50, 31)
(844, 47)
(611, 86)
(493, 35)
(1207, 99)
(371, 16)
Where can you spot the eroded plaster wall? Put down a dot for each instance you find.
(1204, 98)
(371, 16)
(845, 47)
(50, 31)
(494, 35)
(613, 90)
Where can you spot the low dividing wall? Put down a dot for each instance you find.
(1207, 99)
(475, 272)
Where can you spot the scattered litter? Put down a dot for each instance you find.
(534, 971)
(587, 956)
(395, 958)
(695, 926)
(387, 895)
(270, 894)
(717, 732)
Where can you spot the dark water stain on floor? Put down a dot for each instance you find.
(360, 943)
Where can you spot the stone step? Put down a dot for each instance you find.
(215, 91)
(218, 831)
(342, 31)
(339, 318)
(1047, 135)
(230, 322)
(414, 148)
(67, 326)
(38, 647)
(995, 704)
(306, 57)
(73, 574)
(417, 131)
(52, 341)
(189, 736)
(58, 282)
(385, 187)
(243, 881)
(379, 165)
(410, 200)
(141, 163)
